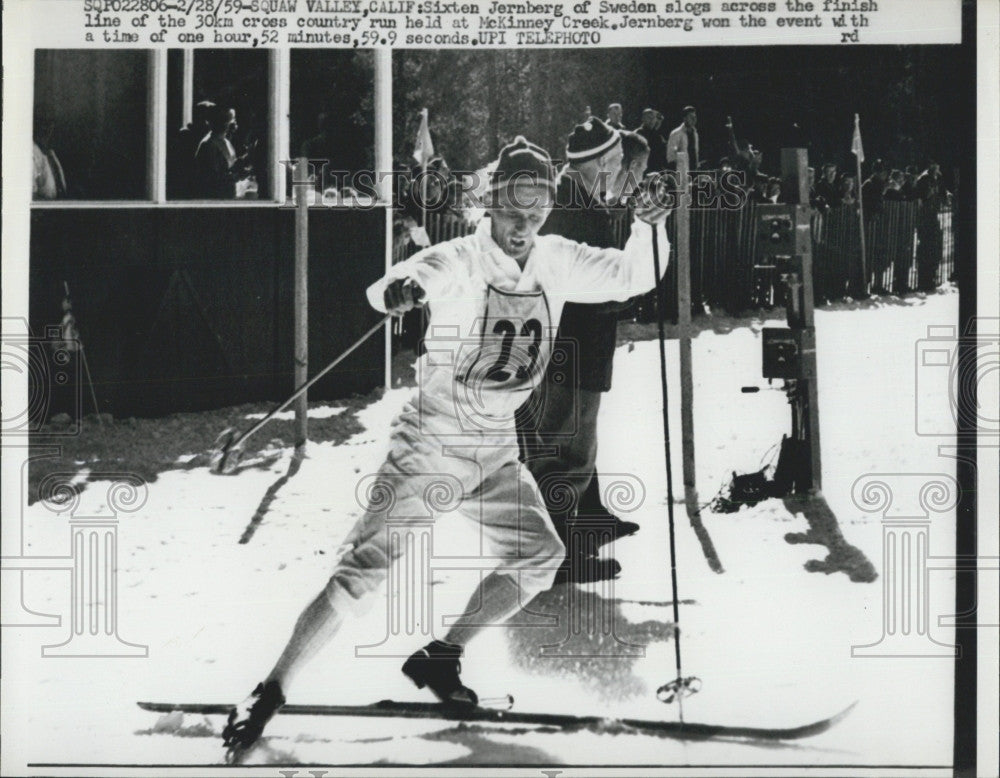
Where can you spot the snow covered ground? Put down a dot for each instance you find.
(770, 640)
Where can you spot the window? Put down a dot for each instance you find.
(332, 113)
(218, 124)
(90, 125)
(127, 125)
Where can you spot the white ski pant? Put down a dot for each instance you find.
(435, 466)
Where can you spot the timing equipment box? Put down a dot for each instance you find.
(785, 351)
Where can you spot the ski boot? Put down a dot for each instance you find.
(248, 719)
(619, 528)
(591, 509)
(586, 568)
(437, 667)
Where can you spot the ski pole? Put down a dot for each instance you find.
(228, 446)
(677, 687)
(83, 354)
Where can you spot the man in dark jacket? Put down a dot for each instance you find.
(873, 190)
(650, 130)
(562, 414)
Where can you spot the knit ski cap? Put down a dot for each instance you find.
(523, 162)
(590, 140)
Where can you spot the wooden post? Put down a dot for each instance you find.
(682, 256)
(805, 406)
(383, 169)
(683, 218)
(187, 87)
(301, 300)
(156, 124)
(279, 67)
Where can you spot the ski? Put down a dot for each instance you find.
(433, 710)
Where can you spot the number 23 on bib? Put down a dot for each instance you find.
(514, 344)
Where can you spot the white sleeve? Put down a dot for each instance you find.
(437, 270)
(595, 275)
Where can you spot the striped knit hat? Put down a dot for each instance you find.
(590, 140)
(523, 162)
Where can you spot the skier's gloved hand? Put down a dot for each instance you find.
(652, 201)
(402, 295)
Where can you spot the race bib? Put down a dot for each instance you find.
(514, 343)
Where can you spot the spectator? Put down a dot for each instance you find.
(873, 189)
(649, 130)
(747, 159)
(48, 178)
(894, 187)
(570, 395)
(848, 190)
(909, 188)
(829, 192)
(684, 137)
(217, 166)
(408, 237)
(930, 239)
(635, 158)
(615, 116)
(429, 193)
(929, 183)
(773, 190)
(181, 176)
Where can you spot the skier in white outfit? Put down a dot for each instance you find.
(495, 298)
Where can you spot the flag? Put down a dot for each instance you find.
(856, 148)
(423, 149)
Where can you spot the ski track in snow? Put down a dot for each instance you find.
(770, 641)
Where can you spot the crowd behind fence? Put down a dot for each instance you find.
(726, 275)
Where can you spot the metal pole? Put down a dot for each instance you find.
(301, 300)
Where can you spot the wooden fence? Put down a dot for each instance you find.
(725, 274)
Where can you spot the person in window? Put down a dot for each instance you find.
(185, 145)
(217, 167)
(48, 178)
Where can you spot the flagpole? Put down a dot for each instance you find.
(861, 211)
